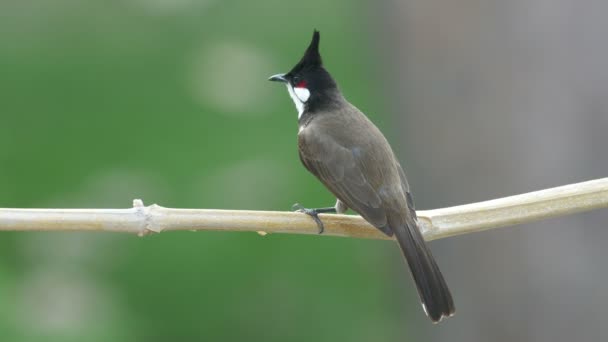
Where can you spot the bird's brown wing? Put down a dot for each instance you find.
(372, 190)
(340, 169)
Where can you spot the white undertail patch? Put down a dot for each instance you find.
(424, 309)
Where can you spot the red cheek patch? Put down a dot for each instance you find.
(301, 84)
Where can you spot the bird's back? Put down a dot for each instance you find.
(350, 155)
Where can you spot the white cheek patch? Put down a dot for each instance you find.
(302, 93)
(296, 99)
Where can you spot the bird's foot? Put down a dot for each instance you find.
(314, 213)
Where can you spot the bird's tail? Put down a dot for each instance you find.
(436, 297)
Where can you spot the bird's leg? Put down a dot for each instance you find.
(339, 208)
(314, 213)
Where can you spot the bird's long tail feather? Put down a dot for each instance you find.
(436, 297)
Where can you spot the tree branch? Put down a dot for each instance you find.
(435, 224)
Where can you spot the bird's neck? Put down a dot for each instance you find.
(328, 104)
(326, 101)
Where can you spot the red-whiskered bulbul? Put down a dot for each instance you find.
(350, 156)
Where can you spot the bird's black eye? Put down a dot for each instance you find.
(295, 79)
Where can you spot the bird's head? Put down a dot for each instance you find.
(309, 84)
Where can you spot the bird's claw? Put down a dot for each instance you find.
(312, 213)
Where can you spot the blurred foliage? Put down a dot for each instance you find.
(167, 101)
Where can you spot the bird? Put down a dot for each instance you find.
(350, 156)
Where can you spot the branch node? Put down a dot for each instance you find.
(144, 213)
(150, 226)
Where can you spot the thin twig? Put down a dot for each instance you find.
(436, 224)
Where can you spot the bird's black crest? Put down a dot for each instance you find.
(311, 57)
(316, 79)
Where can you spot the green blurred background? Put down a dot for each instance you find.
(168, 101)
(104, 102)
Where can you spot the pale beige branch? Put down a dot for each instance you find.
(436, 224)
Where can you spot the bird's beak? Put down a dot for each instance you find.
(278, 78)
